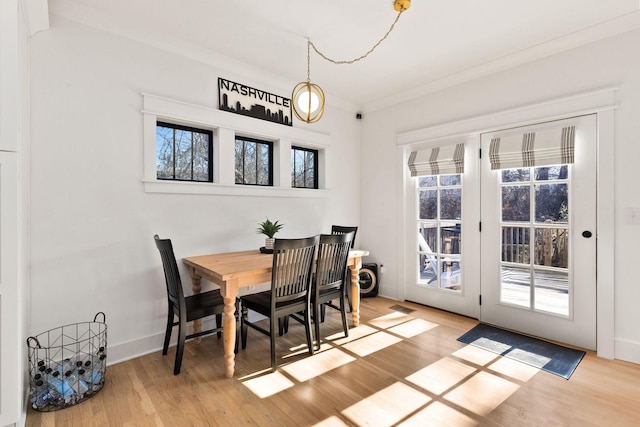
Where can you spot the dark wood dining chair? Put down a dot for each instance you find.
(290, 291)
(185, 309)
(329, 278)
(343, 229)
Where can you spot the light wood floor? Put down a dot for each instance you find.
(394, 369)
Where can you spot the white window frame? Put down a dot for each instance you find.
(225, 126)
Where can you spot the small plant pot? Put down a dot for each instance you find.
(268, 243)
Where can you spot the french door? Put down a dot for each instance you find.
(515, 246)
(443, 218)
(538, 239)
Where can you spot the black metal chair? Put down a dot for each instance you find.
(290, 292)
(185, 309)
(329, 278)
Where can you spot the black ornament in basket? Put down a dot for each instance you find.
(67, 365)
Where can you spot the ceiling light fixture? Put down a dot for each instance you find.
(308, 98)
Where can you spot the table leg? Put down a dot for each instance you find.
(229, 293)
(355, 292)
(196, 287)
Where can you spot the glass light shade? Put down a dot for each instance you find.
(308, 102)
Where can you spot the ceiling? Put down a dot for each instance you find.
(435, 44)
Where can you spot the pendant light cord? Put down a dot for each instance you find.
(310, 44)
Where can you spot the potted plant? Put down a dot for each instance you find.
(269, 229)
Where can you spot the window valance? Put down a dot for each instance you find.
(543, 148)
(437, 160)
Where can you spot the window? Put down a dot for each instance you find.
(439, 230)
(304, 168)
(254, 162)
(183, 153)
(162, 115)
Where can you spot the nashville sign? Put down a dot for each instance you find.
(241, 99)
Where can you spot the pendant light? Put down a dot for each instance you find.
(308, 98)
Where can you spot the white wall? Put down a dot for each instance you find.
(611, 62)
(92, 225)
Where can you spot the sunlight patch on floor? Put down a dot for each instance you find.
(318, 364)
(438, 414)
(387, 407)
(332, 421)
(475, 355)
(268, 385)
(441, 375)
(412, 328)
(514, 369)
(372, 343)
(482, 393)
(356, 333)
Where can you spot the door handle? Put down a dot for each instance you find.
(586, 234)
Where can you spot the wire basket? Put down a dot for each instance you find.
(67, 365)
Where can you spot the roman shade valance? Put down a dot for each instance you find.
(543, 148)
(437, 160)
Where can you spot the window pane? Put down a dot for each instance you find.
(552, 247)
(303, 168)
(515, 175)
(450, 203)
(428, 269)
(552, 203)
(183, 153)
(250, 165)
(310, 163)
(516, 245)
(428, 204)
(551, 292)
(450, 275)
(239, 162)
(200, 157)
(515, 286)
(164, 152)
(427, 237)
(253, 162)
(428, 181)
(298, 168)
(450, 239)
(262, 161)
(552, 172)
(450, 180)
(515, 203)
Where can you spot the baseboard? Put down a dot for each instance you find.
(627, 350)
(122, 352)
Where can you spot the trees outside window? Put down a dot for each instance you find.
(304, 168)
(254, 162)
(183, 153)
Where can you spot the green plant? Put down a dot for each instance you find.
(269, 228)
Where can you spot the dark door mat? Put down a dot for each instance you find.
(553, 358)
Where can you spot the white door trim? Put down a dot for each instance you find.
(602, 102)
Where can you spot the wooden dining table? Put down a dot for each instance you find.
(234, 270)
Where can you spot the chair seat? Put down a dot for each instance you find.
(261, 302)
(204, 304)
